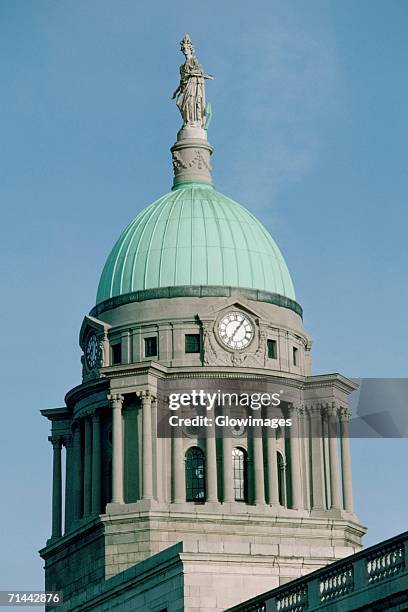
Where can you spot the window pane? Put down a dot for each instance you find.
(272, 349)
(116, 354)
(239, 474)
(192, 343)
(195, 475)
(151, 347)
(295, 354)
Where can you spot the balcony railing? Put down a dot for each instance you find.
(354, 577)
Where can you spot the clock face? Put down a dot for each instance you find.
(92, 351)
(236, 330)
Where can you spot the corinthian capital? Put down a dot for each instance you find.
(344, 414)
(116, 399)
(56, 441)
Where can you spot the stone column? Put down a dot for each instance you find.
(294, 441)
(333, 457)
(87, 466)
(272, 475)
(117, 448)
(344, 416)
(147, 450)
(178, 469)
(96, 464)
(56, 442)
(227, 476)
(69, 493)
(317, 458)
(77, 471)
(210, 465)
(259, 484)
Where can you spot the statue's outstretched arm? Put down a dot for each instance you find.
(175, 92)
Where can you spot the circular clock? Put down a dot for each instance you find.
(236, 330)
(92, 351)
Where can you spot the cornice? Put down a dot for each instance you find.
(85, 390)
(197, 291)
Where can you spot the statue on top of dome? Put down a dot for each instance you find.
(191, 90)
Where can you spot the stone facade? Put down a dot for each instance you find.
(125, 486)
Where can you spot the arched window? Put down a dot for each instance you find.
(282, 480)
(195, 475)
(239, 474)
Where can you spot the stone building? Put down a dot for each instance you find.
(194, 291)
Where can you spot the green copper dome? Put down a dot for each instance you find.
(194, 236)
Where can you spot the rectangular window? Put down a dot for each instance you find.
(116, 353)
(193, 343)
(272, 349)
(150, 346)
(295, 356)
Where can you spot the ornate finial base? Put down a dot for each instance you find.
(191, 156)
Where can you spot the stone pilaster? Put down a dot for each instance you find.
(178, 470)
(272, 474)
(227, 476)
(116, 401)
(56, 442)
(147, 445)
(294, 441)
(259, 484)
(344, 416)
(317, 457)
(331, 415)
(96, 464)
(211, 465)
(78, 474)
(69, 493)
(87, 465)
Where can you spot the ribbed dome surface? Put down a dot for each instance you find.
(194, 235)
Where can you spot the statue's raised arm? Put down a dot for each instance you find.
(191, 90)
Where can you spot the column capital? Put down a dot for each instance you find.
(314, 409)
(67, 440)
(56, 441)
(116, 399)
(300, 410)
(96, 417)
(146, 394)
(331, 410)
(344, 414)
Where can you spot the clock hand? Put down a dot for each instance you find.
(237, 329)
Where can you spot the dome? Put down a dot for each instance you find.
(193, 236)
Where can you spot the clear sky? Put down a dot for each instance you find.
(310, 133)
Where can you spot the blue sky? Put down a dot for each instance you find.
(309, 128)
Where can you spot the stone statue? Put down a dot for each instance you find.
(191, 90)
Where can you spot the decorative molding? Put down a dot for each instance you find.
(198, 291)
